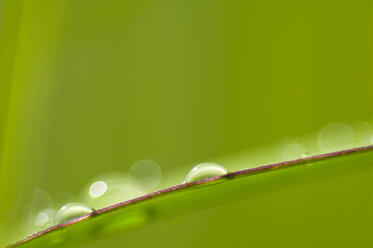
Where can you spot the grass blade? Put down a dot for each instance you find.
(187, 197)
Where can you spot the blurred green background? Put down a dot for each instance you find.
(91, 86)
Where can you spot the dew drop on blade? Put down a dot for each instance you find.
(204, 171)
(305, 155)
(71, 211)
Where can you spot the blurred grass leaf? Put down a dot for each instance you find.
(189, 197)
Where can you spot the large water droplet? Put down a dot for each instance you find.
(204, 171)
(335, 136)
(145, 175)
(71, 211)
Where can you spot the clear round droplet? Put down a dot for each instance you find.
(71, 211)
(109, 189)
(204, 171)
(145, 175)
(335, 136)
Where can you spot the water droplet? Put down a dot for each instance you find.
(71, 211)
(204, 171)
(109, 189)
(145, 175)
(335, 136)
(305, 155)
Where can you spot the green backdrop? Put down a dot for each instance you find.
(91, 86)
